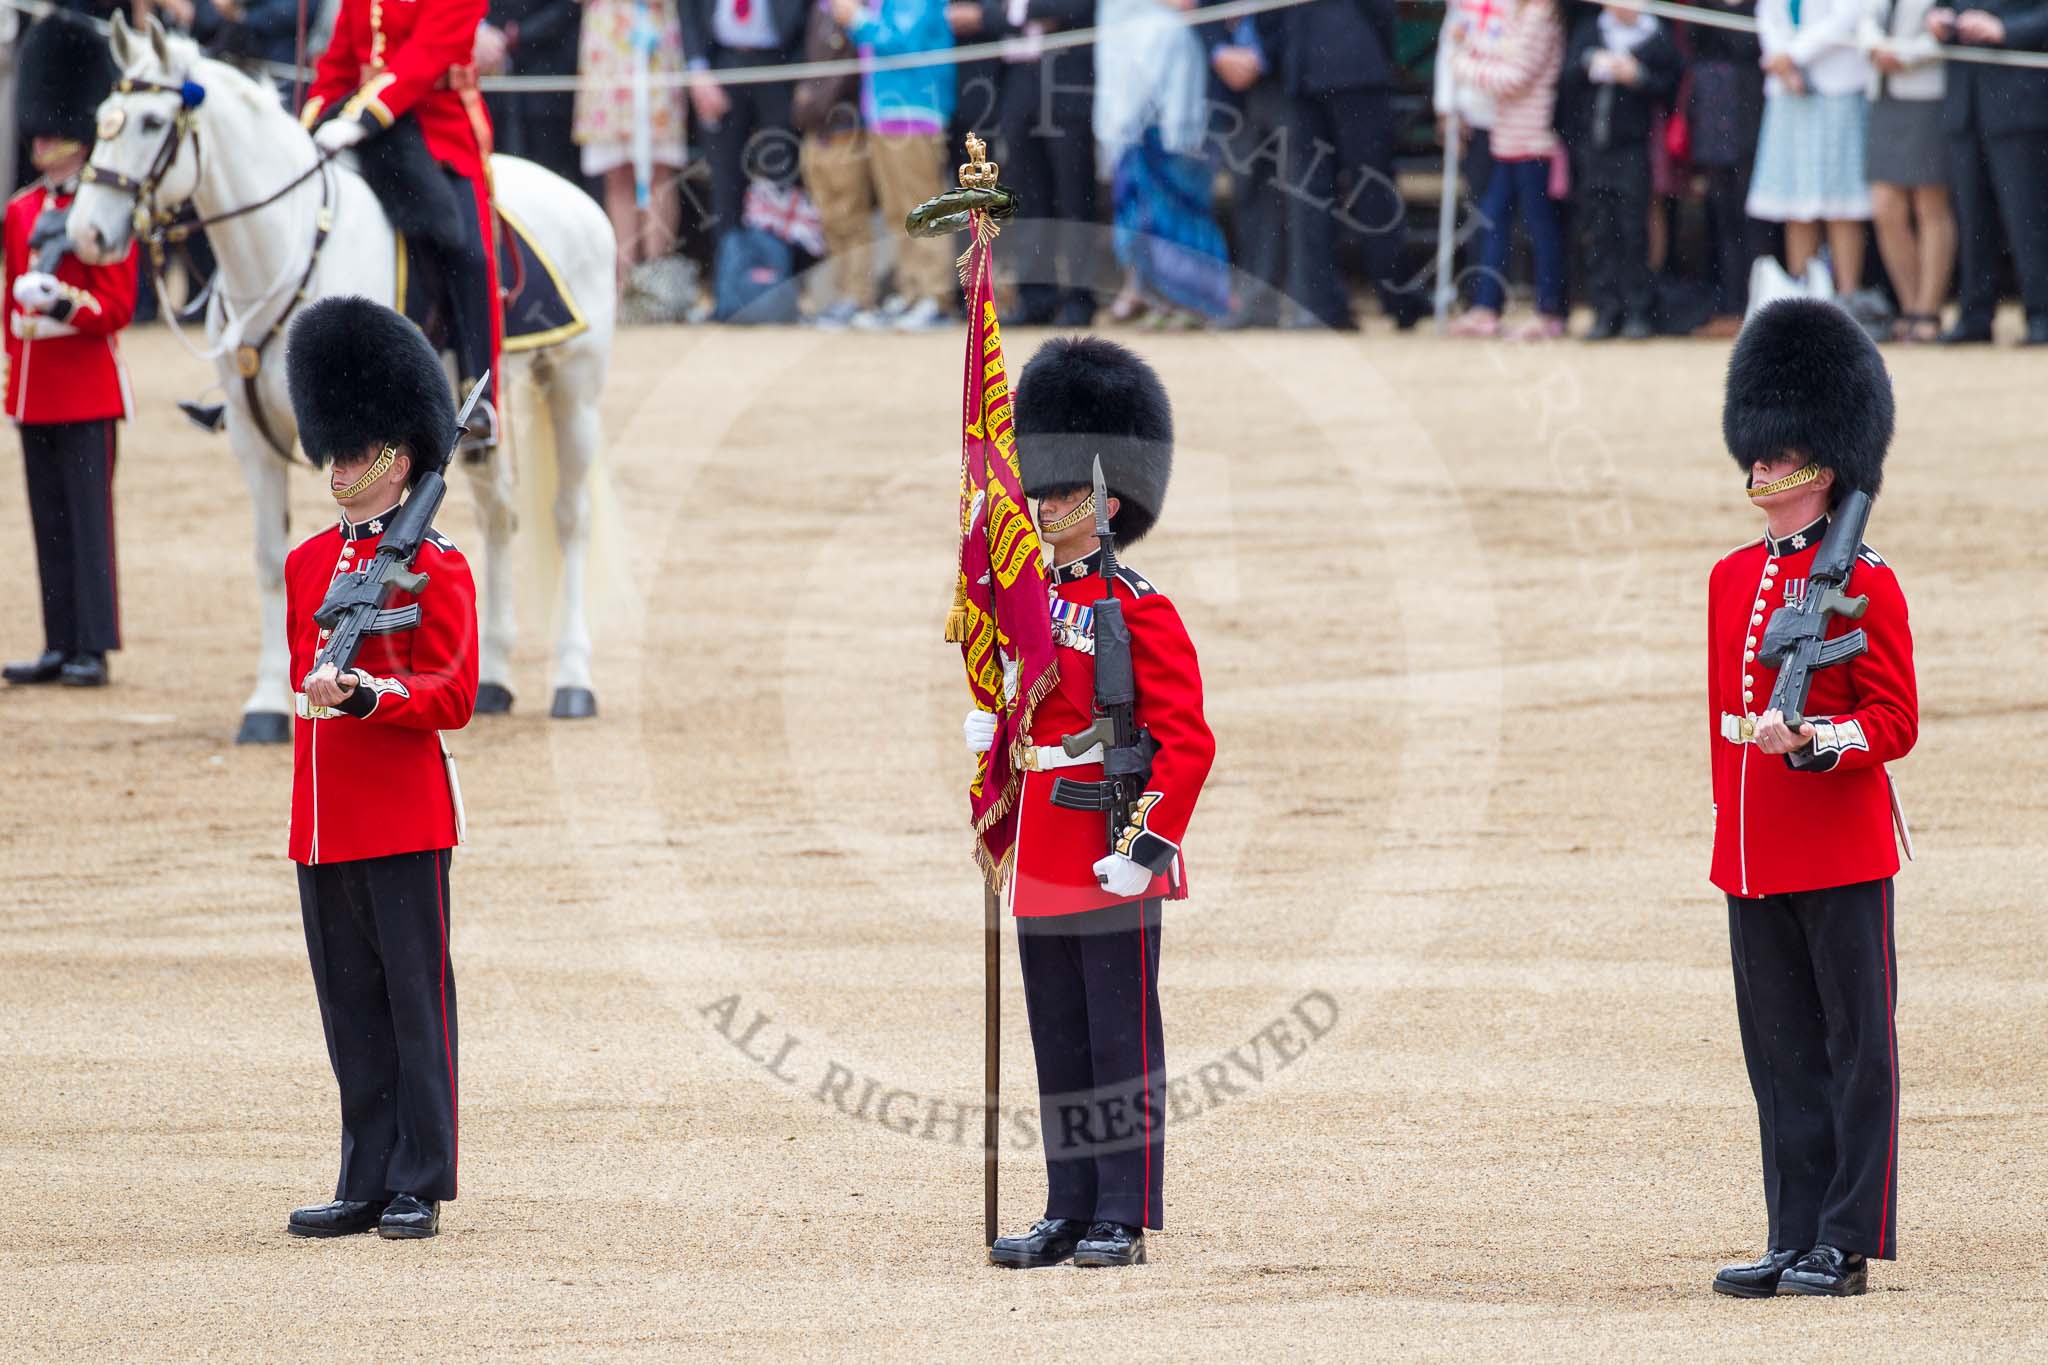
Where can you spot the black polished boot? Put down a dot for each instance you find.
(342, 1218)
(211, 418)
(1827, 1271)
(1967, 332)
(84, 670)
(1756, 1279)
(409, 1216)
(45, 668)
(1050, 1241)
(1111, 1244)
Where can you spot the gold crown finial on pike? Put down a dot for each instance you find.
(977, 172)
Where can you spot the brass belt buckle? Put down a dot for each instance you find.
(1748, 729)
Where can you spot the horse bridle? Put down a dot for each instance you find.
(150, 224)
(157, 228)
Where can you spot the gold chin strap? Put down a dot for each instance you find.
(1084, 510)
(56, 153)
(377, 470)
(1803, 474)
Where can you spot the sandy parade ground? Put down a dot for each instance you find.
(1450, 1013)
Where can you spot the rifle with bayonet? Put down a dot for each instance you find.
(354, 599)
(1795, 641)
(1127, 748)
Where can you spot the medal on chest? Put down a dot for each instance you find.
(1073, 625)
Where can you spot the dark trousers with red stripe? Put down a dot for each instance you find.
(377, 936)
(1091, 990)
(1815, 988)
(70, 469)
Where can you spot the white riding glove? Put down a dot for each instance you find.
(1120, 876)
(37, 291)
(980, 729)
(338, 135)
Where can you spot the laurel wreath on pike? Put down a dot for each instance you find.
(981, 203)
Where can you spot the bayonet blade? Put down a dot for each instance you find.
(1101, 502)
(476, 394)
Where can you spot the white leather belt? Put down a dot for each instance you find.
(1738, 729)
(307, 711)
(1043, 758)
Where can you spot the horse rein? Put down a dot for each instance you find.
(156, 227)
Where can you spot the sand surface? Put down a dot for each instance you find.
(719, 956)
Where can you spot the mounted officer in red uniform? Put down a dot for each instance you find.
(396, 74)
(1088, 907)
(66, 386)
(375, 810)
(1805, 815)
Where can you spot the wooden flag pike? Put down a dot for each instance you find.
(1002, 604)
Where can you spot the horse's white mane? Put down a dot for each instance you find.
(186, 61)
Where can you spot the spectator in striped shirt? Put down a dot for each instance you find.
(1515, 53)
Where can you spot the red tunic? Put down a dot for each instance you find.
(388, 58)
(392, 57)
(370, 786)
(1778, 829)
(69, 369)
(1056, 851)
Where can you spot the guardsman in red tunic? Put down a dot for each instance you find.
(1088, 914)
(1807, 822)
(65, 384)
(413, 60)
(376, 813)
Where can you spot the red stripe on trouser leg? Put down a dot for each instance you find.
(1145, 1054)
(447, 1044)
(113, 574)
(1891, 1002)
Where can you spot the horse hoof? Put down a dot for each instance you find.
(573, 703)
(493, 699)
(264, 727)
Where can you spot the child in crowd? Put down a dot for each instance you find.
(1619, 66)
(1515, 55)
(891, 159)
(1810, 159)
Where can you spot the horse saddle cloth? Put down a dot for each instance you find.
(537, 306)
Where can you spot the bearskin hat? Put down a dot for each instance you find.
(361, 375)
(1081, 397)
(1805, 377)
(66, 71)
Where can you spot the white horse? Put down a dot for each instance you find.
(184, 129)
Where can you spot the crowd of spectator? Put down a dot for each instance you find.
(1833, 118)
(1242, 172)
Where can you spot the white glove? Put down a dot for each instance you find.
(36, 291)
(339, 134)
(980, 729)
(1120, 876)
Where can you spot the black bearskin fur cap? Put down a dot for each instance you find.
(66, 71)
(360, 374)
(1804, 376)
(1081, 397)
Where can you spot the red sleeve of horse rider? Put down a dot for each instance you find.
(444, 36)
(338, 72)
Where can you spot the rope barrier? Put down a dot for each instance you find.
(1704, 16)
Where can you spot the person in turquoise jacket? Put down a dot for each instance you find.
(889, 153)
